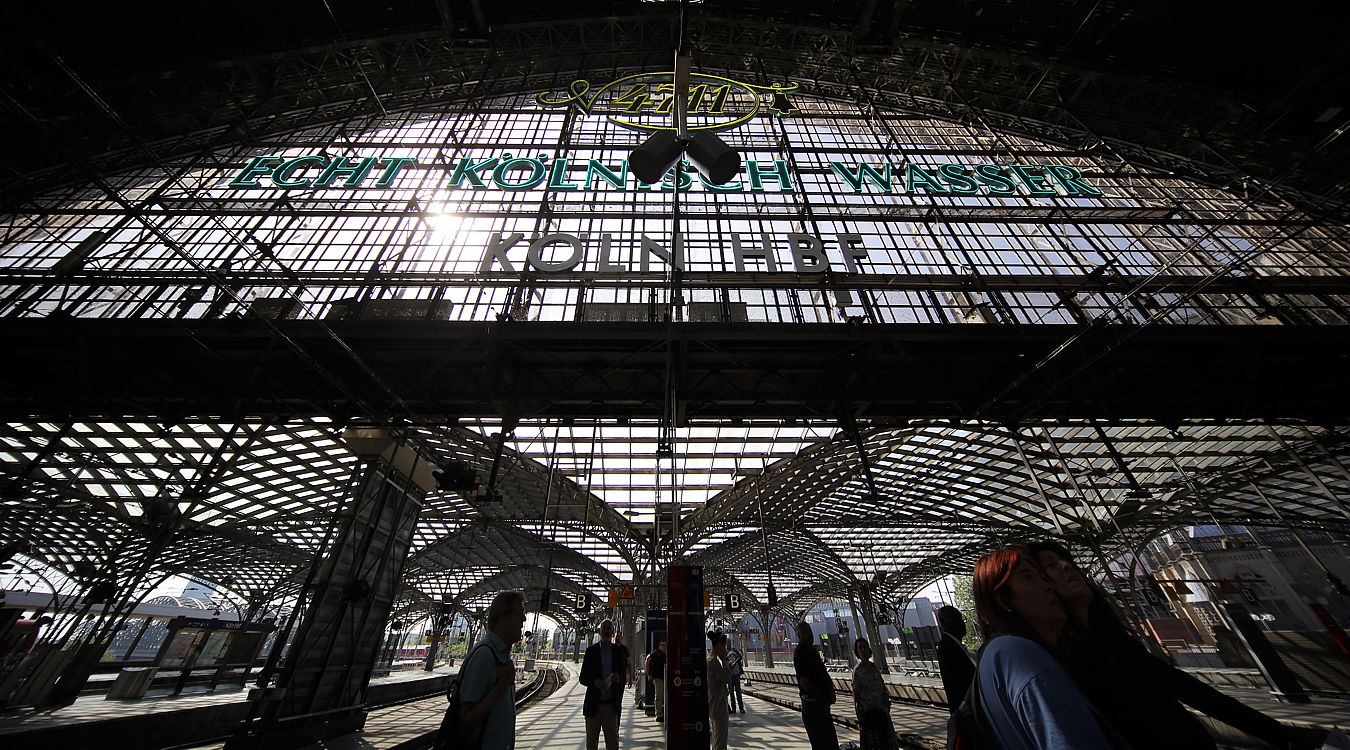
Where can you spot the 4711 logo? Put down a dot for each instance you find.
(643, 101)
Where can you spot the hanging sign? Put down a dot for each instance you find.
(643, 101)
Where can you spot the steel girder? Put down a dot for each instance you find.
(1154, 123)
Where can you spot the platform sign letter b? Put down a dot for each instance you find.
(733, 602)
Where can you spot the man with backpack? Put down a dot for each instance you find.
(656, 672)
(482, 712)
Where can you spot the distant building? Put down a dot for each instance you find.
(1268, 568)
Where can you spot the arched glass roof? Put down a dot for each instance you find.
(818, 504)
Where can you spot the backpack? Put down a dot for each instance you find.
(966, 727)
(447, 737)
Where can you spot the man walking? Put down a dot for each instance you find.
(602, 672)
(656, 672)
(817, 691)
(487, 710)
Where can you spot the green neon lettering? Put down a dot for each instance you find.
(1071, 180)
(282, 177)
(779, 173)
(256, 167)
(466, 169)
(916, 176)
(864, 173)
(595, 168)
(536, 173)
(730, 187)
(340, 166)
(996, 178)
(686, 181)
(557, 177)
(1034, 182)
(958, 180)
(392, 167)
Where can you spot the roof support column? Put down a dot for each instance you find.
(321, 692)
(857, 628)
(873, 632)
(766, 635)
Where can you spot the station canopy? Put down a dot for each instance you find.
(1164, 349)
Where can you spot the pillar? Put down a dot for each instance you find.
(853, 610)
(321, 691)
(873, 633)
(766, 631)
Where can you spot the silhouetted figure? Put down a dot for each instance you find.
(736, 664)
(602, 672)
(1140, 694)
(871, 702)
(1027, 701)
(958, 669)
(817, 691)
(719, 680)
(487, 681)
(656, 672)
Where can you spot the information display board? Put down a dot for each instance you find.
(687, 668)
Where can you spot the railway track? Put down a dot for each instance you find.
(545, 682)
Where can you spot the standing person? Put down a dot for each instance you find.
(628, 660)
(817, 691)
(487, 681)
(871, 702)
(736, 665)
(958, 669)
(1026, 699)
(656, 672)
(602, 672)
(719, 679)
(1126, 682)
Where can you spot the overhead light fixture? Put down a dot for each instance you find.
(718, 162)
(715, 160)
(655, 156)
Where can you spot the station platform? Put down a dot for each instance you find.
(557, 723)
(772, 720)
(164, 720)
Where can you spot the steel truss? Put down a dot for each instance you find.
(180, 435)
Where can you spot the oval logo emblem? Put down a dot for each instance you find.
(643, 101)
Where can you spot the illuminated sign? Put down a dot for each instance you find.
(644, 101)
(508, 171)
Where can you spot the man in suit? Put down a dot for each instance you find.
(603, 674)
(958, 669)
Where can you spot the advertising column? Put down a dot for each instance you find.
(687, 663)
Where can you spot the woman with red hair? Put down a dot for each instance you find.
(1026, 700)
(1124, 681)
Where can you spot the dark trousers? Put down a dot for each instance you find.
(735, 695)
(819, 726)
